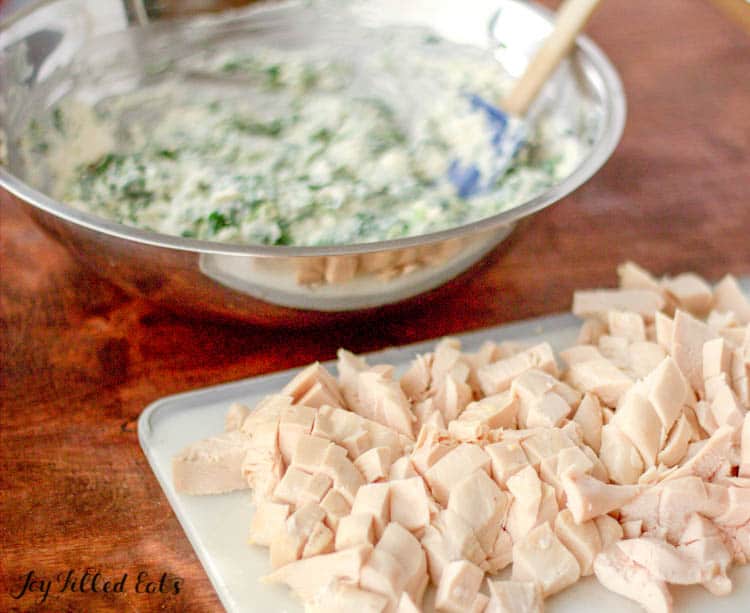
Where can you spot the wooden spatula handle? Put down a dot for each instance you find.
(571, 17)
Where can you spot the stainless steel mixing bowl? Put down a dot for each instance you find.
(261, 284)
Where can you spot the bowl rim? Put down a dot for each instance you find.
(615, 110)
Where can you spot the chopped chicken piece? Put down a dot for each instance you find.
(269, 519)
(488, 353)
(705, 462)
(346, 478)
(314, 387)
(676, 446)
(450, 538)
(570, 459)
(454, 466)
(598, 471)
(573, 431)
(375, 499)
(688, 337)
(431, 446)
(343, 597)
(446, 356)
(728, 296)
(514, 597)
(213, 465)
(726, 408)
(588, 497)
(541, 557)
(410, 503)
(637, 419)
(690, 293)
(597, 303)
(531, 386)
(459, 587)
(479, 501)
(714, 558)
(717, 359)
(627, 325)
(589, 417)
(349, 366)
(668, 391)
(288, 543)
(668, 563)
(311, 451)
(382, 400)
(540, 443)
(721, 320)
(402, 469)
(468, 431)
(573, 460)
(426, 413)
(315, 489)
(664, 328)
(738, 508)
(581, 538)
(417, 379)
(508, 457)
(619, 574)
(355, 529)
(235, 416)
(266, 413)
(451, 397)
(383, 575)
(263, 465)
(497, 411)
(357, 443)
(305, 577)
(609, 529)
(534, 503)
(644, 358)
(498, 376)
(294, 422)
(632, 276)
(616, 350)
(549, 411)
(374, 464)
(320, 541)
(705, 417)
(620, 457)
(407, 551)
(599, 377)
(680, 498)
(581, 353)
(501, 553)
(591, 331)
(335, 507)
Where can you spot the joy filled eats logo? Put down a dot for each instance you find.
(92, 581)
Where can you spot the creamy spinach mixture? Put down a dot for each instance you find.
(307, 148)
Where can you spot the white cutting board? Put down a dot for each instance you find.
(217, 526)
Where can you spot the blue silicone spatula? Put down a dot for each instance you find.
(507, 128)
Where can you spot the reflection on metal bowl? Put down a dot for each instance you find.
(269, 284)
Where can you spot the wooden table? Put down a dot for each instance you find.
(80, 359)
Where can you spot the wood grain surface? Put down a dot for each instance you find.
(81, 359)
